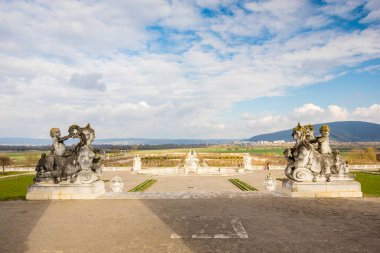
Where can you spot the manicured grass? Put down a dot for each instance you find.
(242, 185)
(143, 186)
(8, 173)
(370, 183)
(15, 188)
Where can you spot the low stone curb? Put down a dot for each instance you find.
(17, 175)
(187, 195)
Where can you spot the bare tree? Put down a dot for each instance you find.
(5, 161)
(31, 159)
(370, 154)
(134, 147)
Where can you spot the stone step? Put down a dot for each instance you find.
(188, 195)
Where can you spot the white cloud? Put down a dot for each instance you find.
(308, 109)
(373, 6)
(90, 81)
(337, 113)
(371, 113)
(102, 62)
(342, 8)
(370, 69)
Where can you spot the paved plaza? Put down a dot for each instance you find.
(259, 222)
(192, 183)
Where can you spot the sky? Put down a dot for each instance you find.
(186, 69)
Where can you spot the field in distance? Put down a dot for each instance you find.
(354, 153)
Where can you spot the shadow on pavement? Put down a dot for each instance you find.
(273, 224)
(17, 220)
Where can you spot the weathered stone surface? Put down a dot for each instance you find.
(191, 163)
(64, 174)
(247, 162)
(79, 166)
(136, 163)
(307, 163)
(65, 191)
(116, 184)
(345, 189)
(270, 183)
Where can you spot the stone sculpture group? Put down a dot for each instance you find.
(78, 166)
(307, 163)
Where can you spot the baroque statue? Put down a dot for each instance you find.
(247, 162)
(78, 166)
(136, 163)
(307, 162)
(116, 184)
(270, 182)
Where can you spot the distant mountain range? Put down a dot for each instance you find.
(116, 141)
(342, 131)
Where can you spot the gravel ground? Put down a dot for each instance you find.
(191, 214)
(191, 182)
(272, 224)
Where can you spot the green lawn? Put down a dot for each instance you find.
(20, 156)
(370, 183)
(242, 185)
(8, 173)
(143, 186)
(15, 188)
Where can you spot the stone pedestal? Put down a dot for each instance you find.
(65, 191)
(343, 189)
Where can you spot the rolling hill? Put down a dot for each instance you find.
(342, 131)
(115, 141)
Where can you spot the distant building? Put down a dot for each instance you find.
(263, 142)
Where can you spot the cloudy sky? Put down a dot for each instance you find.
(186, 69)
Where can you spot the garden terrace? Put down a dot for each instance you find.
(221, 160)
(272, 159)
(123, 160)
(361, 156)
(163, 161)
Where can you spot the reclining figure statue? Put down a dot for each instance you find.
(79, 166)
(306, 163)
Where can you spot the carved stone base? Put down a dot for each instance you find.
(65, 191)
(343, 189)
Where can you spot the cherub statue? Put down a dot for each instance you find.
(323, 140)
(58, 147)
(82, 165)
(305, 163)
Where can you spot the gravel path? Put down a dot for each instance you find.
(272, 224)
